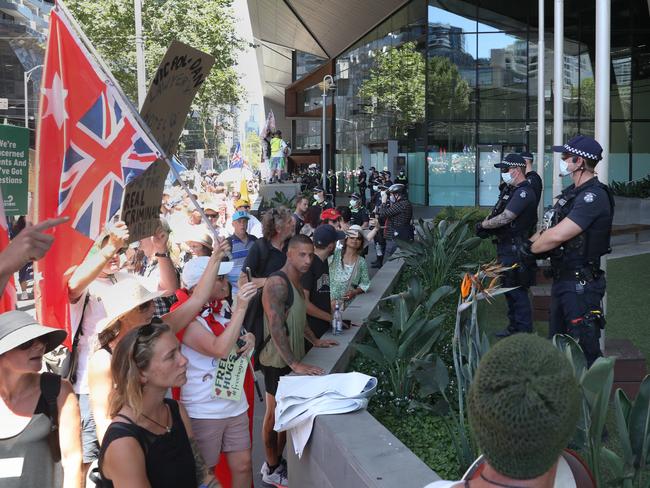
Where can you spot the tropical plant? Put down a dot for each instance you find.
(468, 346)
(632, 189)
(280, 200)
(633, 425)
(596, 386)
(437, 251)
(404, 333)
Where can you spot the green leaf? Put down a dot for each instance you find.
(639, 423)
(597, 386)
(385, 344)
(371, 353)
(441, 292)
(614, 462)
(622, 408)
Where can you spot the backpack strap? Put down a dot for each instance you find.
(50, 388)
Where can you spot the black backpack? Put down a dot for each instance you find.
(254, 319)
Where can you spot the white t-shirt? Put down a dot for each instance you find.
(196, 394)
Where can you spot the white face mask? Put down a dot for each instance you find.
(393, 199)
(564, 168)
(507, 178)
(354, 203)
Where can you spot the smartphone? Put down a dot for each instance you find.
(248, 274)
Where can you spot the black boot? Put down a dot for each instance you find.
(379, 262)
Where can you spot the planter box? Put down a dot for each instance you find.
(631, 211)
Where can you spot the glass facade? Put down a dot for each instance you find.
(447, 88)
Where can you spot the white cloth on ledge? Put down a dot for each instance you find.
(300, 399)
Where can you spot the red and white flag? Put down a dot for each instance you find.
(8, 297)
(88, 145)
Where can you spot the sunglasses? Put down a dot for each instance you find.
(212, 216)
(26, 345)
(356, 238)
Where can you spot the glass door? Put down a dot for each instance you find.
(489, 177)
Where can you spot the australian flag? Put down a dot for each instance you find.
(237, 160)
(89, 145)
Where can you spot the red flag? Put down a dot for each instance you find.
(8, 298)
(88, 145)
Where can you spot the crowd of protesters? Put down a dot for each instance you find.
(150, 322)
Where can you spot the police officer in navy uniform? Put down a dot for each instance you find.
(510, 228)
(362, 183)
(579, 234)
(320, 199)
(531, 175)
(373, 182)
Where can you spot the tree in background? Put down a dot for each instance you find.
(396, 86)
(204, 25)
(448, 91)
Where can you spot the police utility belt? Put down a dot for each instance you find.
(584, 274)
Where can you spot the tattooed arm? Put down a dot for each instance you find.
(274, 300)
(500, 220)
(316, 342)
(204, 476)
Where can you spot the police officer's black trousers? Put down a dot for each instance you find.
(572, 305)
(520, 313)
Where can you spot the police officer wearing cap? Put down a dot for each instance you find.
(331, 185)
(577, 237)
(373, 182)
(398, 212)
(362, 183)
(531, 175)
(320, 200)
(402, 179)
(510, 228)
(359, 213)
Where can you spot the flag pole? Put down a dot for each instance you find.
(134, 112)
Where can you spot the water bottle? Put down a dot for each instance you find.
(337, 320)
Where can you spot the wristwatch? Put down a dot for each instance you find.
(161, 254)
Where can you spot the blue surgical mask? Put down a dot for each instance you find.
(564, 168)
(507, 178)
(393, 199)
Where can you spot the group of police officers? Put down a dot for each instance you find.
(575, 234)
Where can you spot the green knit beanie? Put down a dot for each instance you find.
(523, 406)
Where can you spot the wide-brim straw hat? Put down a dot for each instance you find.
(18, 327)
(121, 298)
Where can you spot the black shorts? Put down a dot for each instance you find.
(272, 377)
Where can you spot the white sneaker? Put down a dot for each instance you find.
(277, 478)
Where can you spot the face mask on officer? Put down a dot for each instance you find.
(564, 166)
(354, 203)
(393, 199)
(318, 197)
(507, 178)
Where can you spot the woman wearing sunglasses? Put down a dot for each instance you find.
(40, 438)
(348, 268)
(149, 444)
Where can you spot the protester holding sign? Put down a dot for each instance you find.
(213, 395)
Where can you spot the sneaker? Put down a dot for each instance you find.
(277, 478)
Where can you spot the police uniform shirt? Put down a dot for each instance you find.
(591, 207)
(362, 178)
(359, 216)
(535, 182)
(522, 198)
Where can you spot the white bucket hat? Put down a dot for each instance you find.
(356, 230)
(18, 327)
(121, 298)
(195, 268)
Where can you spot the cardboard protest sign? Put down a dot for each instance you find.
(178, 79)
(229, 377)
(14, 168)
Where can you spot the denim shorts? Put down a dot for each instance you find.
(89, 442)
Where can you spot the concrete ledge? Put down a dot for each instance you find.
(354, 450)
(365, 305)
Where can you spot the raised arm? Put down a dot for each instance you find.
(168, 276)
(93, 264)
(183, 315)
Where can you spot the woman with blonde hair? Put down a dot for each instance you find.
(149, 444)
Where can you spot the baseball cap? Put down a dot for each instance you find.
(526, 155)
(242, 202)
(511, 160)
(582, 146)
(240, 214)
(330, 214)
(326, 234)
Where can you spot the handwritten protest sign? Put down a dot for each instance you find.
(178, 79)
(229, 377)
(14, 168)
